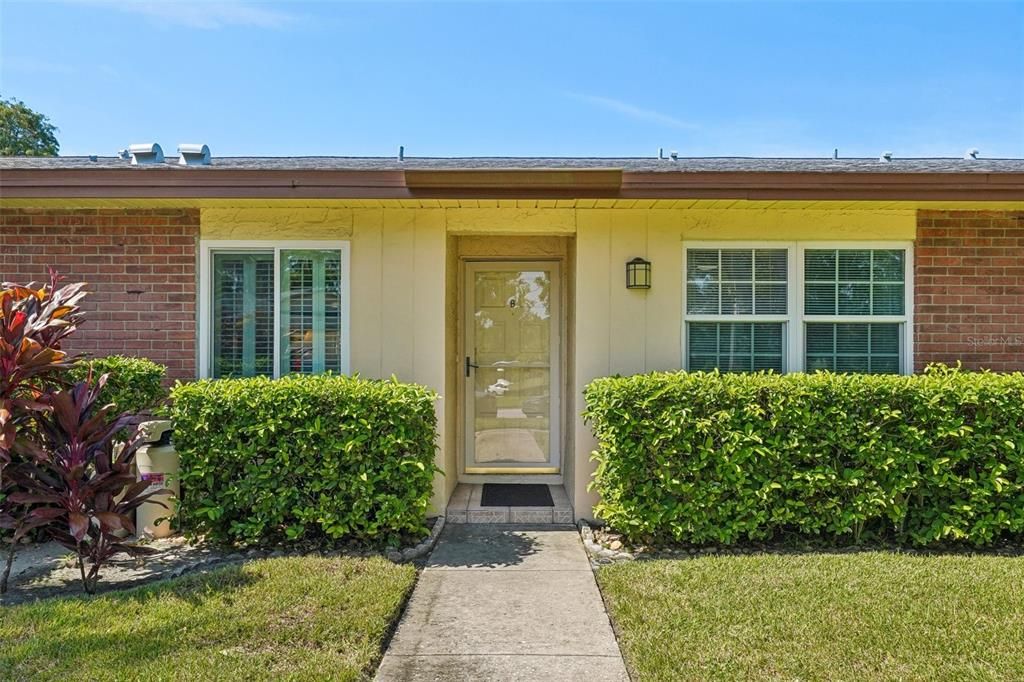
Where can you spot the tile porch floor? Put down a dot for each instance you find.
(464, 507)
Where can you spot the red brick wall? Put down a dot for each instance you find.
(969, 289)
(140, 266)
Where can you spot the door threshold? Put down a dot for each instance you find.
(478, 479)
(464, 507)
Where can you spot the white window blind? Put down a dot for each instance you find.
(310, 311)
(275, 311)
(729, 283)
(243, 300)
(843, 287)
(841, 307)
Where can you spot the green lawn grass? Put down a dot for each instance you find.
(289, 618)
(863, 616)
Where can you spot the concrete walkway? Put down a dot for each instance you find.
(499, 602)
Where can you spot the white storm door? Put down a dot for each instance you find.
(511, 368)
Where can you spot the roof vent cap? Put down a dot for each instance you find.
(886, 157)
(193, 154)
(123, 154)
(674, 154)
(971, 154)
(147, 153)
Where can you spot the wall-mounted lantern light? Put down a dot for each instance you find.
(638, 274)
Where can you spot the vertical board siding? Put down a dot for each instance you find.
(398, 283)
(367, 315)
(628, 307)
(664, 300)
(594, 319)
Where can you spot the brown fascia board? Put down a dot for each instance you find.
(201, 184)
(506, 184)
(601, 180)
(826, 186)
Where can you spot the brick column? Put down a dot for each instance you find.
(141, 268)
(969, 289)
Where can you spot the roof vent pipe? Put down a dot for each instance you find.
(401, 152)
(886, 157)
(661, 152)
(193, 154)
(971, 154)
(144, 154)
(835, 153)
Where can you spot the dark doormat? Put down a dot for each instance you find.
(516, 495)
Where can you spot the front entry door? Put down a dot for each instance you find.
(511, 368)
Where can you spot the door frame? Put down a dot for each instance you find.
(555, 445)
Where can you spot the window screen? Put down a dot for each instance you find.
(735, 346)
(243, 312)
(871, 348)
(310, 311)
(726, 283)
(854, 282)
(736, 281)
(243, 315)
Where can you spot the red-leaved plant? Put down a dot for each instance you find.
(33, 322)
(62, 468)
(79, 478)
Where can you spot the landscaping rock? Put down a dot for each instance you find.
(47, 570)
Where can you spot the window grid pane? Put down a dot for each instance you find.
(310, 311)
(737, 281)
(243, 340)
(243, 312)
(297, 315)
(867, 347)
(854, 282)
(735, 346)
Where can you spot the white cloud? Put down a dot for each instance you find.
(633, 111)
(203, 14)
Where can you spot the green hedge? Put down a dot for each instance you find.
(705, 457)
(309, 457)
(135, 384)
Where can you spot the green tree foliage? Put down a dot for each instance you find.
(705, 458)
(24, 132)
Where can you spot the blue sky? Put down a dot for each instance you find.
(578, 79)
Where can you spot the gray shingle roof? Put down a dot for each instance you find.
(685, 165)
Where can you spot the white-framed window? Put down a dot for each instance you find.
(798, 306)
(273, 308)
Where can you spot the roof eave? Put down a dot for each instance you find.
(509, 184)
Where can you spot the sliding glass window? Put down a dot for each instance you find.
(275, 311)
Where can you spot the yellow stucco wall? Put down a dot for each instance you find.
(402, 279)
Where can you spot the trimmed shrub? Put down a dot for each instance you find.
(312, 457)
(704, 457)
(135, 385)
